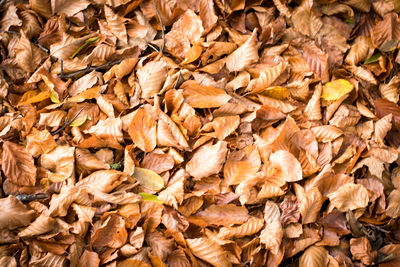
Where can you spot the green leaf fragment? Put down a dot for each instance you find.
(150, 197)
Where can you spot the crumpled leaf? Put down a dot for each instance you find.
(207, 160)
(225, 215)
(349, 196)
(245, 55)
(12, 208)
(289, 165)
(209, 251)
(18, 165)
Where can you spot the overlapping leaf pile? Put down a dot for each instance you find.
(233, 133)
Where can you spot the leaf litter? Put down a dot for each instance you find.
(200, 133)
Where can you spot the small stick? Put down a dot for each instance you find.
(30, 198)
(90, 68)
(161, 24)
(67, 122)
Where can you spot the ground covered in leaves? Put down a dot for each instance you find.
(200, 133)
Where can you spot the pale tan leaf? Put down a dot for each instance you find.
(84, 213)
(177, 44)
(68, 45)
(306, 21)
(199, 96)
(18, 165)
(225, 215)
(39, 142)
(271, 235)
(289, 165)
(241, 165)
(267, 77)
(151, 78)
(393, 206)
(382, 127)
(283, 106)
(365, 111)
(209, 251)
(241, 80)
(207, 160)
(314, 256)
(142, 130)
(326, 133)
(245, 55)
(317, 61)
(345, 116)
(299, 89)
(313, 108)
(390, 91)
(89, 259)
(10, 18)
(52, 119)
(252, 226)
(14, 214)
(310, 203)
(223, 126)
(60, 203)
(104, 180)
(362, 74)
(116, 25)
(43, 224)
(349, 196)
(360, 50)
(207, 14)
(60, 162)
(86, 161)
(189, 24)
(174, 193)
(83, 83)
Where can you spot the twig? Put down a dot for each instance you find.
(2, 2)
(89, 68)
(30, 198)
(67, 122)
(161, 24)
(152, 47)
(62, 68)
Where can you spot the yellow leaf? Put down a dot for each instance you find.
(79, 121)
(148, 179)
(336, 89)
(193, 54)
(277, 92)
(54, 97)
(33, 96)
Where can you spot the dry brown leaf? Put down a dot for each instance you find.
(349, 197)
(224, 215)
(207, 14)
(151, 78)
(241, 165)
(18, 165)
(207, 160)
(12, 208)
(310, 203)
(252, 226)
(314, 256)
(305, 19)
(267, 77)
(361, 250)
(142, 130)
(199, 96)
(244, 56)
(209, 251)
(290, 166)
(271, 235)
(104, 180)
